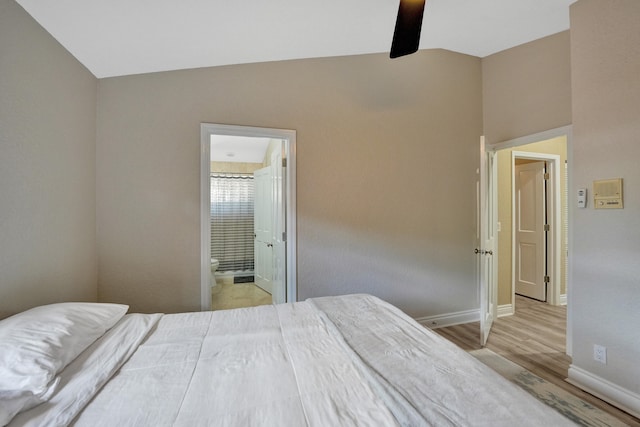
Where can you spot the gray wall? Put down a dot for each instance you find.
(387, 153)
(589, 78)
(605, 298)
(527, 89)
(47, 168)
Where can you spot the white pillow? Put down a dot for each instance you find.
(13, 403)
(37, 344)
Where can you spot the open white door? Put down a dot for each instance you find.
(262, 224)
(270, 225)
(278, 228)
(486, 249)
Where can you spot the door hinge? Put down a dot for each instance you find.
(547, 279)
(284, 162)
(546, 175)
(547, 227)
(284, 236)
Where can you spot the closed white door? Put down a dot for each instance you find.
(262, 225)
(530, 238)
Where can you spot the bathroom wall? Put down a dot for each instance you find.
(235, 167)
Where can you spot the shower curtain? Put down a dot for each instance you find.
(232, 234)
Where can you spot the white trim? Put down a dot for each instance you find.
(449, 319)
(205, 224)
(292, 218)
(563, 299)
(506, 310)
(289, 136)
(618, 396)
(536, 137)
(570, 207)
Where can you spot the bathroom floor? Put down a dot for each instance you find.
(235, 295)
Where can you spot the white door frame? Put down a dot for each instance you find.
(289, 138)
(554, 248)
(567, 132)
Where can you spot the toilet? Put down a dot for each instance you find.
(214, 283)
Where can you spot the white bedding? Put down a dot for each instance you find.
(334, 361)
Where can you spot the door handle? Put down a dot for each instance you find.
(482, 252)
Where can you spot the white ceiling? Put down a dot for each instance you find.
(246, 149)
(121, 37)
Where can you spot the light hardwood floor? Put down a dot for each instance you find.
(534, 338)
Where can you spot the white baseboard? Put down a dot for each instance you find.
(618, 396)
(505, 310)
(449, 319)
(563, 299)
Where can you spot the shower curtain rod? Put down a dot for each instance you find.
(223, 175)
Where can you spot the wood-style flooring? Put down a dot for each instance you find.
(534, 338)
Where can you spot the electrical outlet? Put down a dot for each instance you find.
(600, 353)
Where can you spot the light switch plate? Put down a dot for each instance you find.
(582, 197)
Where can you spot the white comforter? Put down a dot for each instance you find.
(335, 361)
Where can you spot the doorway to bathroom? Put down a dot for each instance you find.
(247, 216)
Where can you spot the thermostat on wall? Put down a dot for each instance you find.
(607, 194)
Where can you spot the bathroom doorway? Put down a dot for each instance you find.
(247, 216)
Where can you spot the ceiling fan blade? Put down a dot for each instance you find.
(406, 36)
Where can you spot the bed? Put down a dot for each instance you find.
(352, 360)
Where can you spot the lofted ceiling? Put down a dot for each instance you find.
(122, 37)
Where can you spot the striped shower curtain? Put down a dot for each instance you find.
(232, 200)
